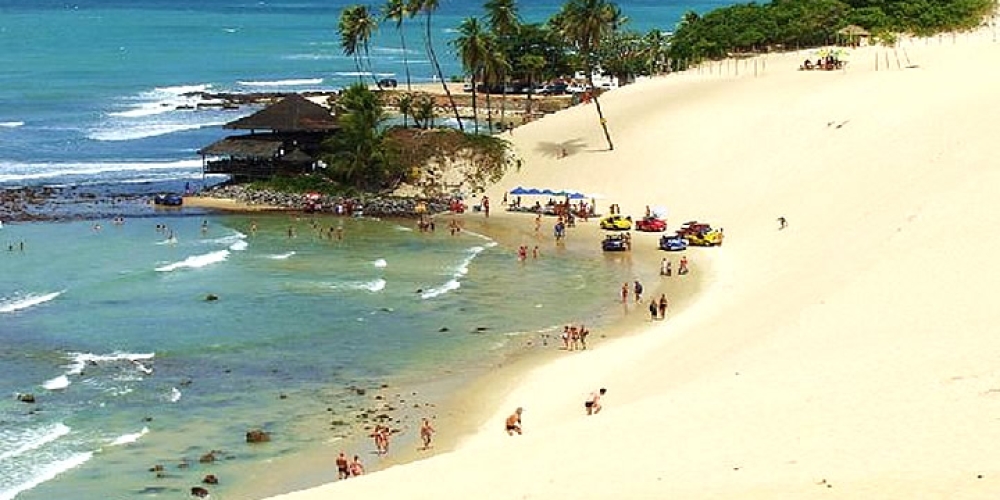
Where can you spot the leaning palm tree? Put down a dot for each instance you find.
(405, 105)
(585, 23)
(471, 46)
(396, 11)
(349, 41)
(356, 27)
(428, 7)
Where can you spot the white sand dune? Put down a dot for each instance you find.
(852, 355)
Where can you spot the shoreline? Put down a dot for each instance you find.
(462, 402)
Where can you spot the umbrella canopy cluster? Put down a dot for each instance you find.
(573, 195)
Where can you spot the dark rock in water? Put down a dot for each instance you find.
(210, 479)
(147, 419)
(282, 396)
(26, 398)
(482, 328)
(360, 391)
(209, 457)
(211, 297)
(198, 491)
(257, 436)
(153, 490)
(443, 329)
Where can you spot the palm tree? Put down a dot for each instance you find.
(349, 38)
(502, 17)
(405, 105)
(531, 63)
(356, 27)
(504, 22)
(356, 152)
(471, 45)
(495, 69)
(396, 11)
(428, 7)
(585, 23)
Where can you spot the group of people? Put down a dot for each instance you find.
(522, 253)
(636, 290)
(574, 338)
(666, 268)
(353, 468)
(658, 306)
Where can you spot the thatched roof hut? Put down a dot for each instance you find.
(295, 128)
(291, 114)
(854, 35)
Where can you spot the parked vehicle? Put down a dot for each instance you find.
(616, 223)
(651, 224)
(614, 243)
(388, 83)
(673, 243)
(168, 199)
(710, 238)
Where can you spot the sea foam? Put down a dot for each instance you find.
(460, 270)
(43, 474)
(57, 383)
(80, 360)
(11, 124)
(129, 438)
(34, 439)
(196, 261)
(12, 304)
(281, 256)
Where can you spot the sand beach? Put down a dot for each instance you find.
(849, 355)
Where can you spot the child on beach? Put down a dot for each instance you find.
(356, 468)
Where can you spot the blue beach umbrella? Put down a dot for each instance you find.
(519, 191)
(533, 191)
(577, 196)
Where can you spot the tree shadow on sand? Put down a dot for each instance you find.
(561, 149)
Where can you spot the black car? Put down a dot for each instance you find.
(388, 83)
(614, 243)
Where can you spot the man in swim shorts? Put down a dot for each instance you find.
(342, 470)
(593, 404)
(514, 422)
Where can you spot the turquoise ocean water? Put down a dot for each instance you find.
(109, 329)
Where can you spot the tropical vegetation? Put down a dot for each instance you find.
(790, 24)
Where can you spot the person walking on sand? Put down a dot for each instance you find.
(343, 468)
(663, 306)
(624, 293)
(637, 289)
(593, 404)
(652, 310)
(486, 206)
(583, 337)
(682, 267)
(513, 423)
(426, 432)
(782, 223)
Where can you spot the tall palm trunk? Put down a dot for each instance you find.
(406, 62)
(600, 114)
(475, 109)
(489, 109)
(503, 104)
(437, 67)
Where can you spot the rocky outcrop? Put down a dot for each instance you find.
(371, 206)
(257, 436)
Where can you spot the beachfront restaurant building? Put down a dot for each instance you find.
(285, 139)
